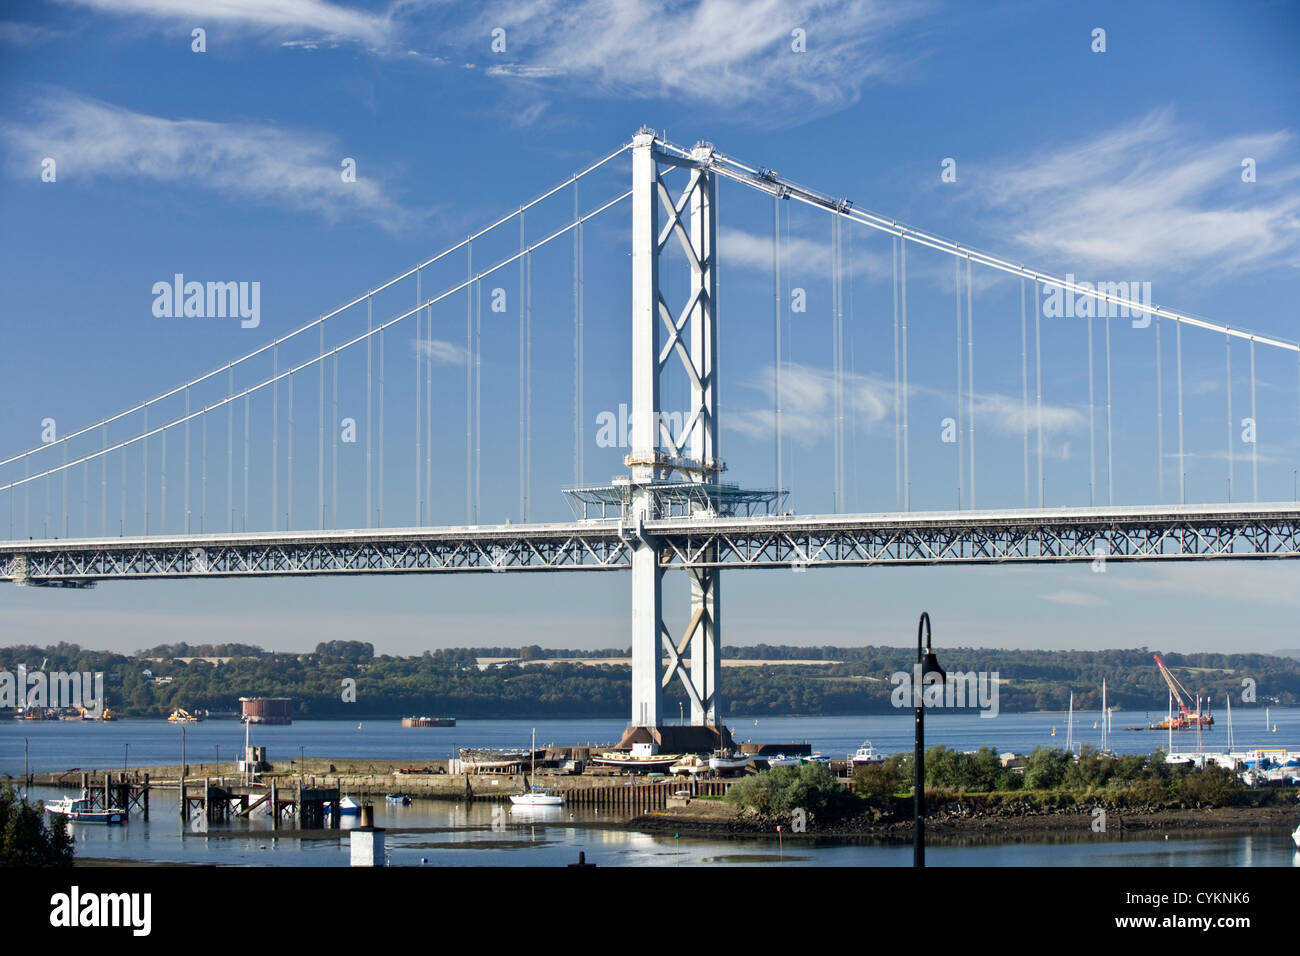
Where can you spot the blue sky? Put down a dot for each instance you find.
(224, 165)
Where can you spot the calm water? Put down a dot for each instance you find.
(61, 745)
(440, 833)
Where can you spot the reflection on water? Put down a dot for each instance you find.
(440, 833)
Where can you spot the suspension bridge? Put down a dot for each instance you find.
(671, 511)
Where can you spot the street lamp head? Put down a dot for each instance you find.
(929, 663)
(931, 666)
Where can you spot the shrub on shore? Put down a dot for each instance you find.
(810, 787)
(26, 839)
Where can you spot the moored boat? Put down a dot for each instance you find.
(866, 754)
(479, 760)
(728, 762)
(781, 760)
(78, 810)
(641, 760)
(536, 796)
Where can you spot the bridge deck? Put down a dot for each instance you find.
(798, 541)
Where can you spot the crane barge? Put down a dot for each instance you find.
(1187, 718)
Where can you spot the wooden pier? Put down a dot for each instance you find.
(315, 807)
(117, 792)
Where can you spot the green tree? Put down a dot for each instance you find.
(25, 839)
(1045, 768)
(878, 783)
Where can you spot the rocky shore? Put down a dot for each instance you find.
(716, 818)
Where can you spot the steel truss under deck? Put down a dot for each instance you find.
(808, 541)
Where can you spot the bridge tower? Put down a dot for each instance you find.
(663, 333)
(673, 475)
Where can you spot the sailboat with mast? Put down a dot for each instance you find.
(536, 796)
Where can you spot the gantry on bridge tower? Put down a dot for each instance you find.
(673, 475)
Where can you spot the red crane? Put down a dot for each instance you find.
(1186, 716)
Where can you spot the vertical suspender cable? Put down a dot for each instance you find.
(379, 503)
(898, 411)
(478, 398)
(288, 437)
(907, 481)
(1254, 423)
(1182, 471)
(419, 485)
(853, 371)
(85, 491)
(186, 495)
(1110, 432)
(1038, 364)
(428, 425)
(835, 368)
(144, 451)
(320, 435)
(103, 486)
(230, 453)
(528, 388)
(203, 445)
(122, 512)
(970, 380)
(369, 440)
(577, 350)
(64, 509)
(776, 325)
(334, 452)
(1024, 386)
(1092, 422)
(523, 280)
(275, 435)
(1160, 421)
(1227, 357)
(246, 456)
(64, 476)
(961, 380)
(162, 497)
(469, 388)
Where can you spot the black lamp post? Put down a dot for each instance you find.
(928, 664)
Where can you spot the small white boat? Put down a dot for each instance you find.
(1296, 837)
(866, 754)
(691, 765)
(349, 807)
(78, 811)
(781, 760)
(729, 762)
(536, 796)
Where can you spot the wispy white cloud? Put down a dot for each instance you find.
(749, 250)
(286, 19)
(733, 52)
(16, 33)
(444, 353)
(1153, 195)
(807, 406)
(89, 139)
